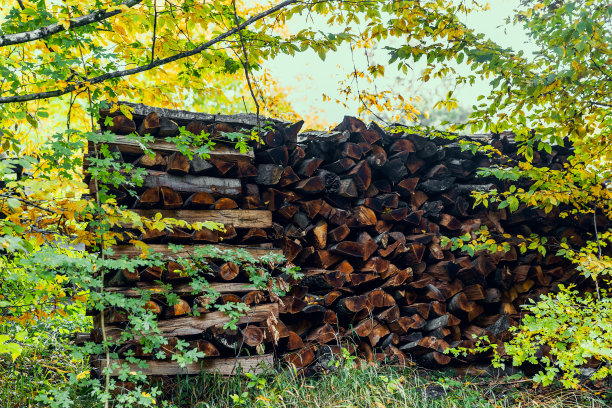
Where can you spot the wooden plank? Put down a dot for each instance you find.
(192, 184)
(179, 289)
(236, 218)
(184, 117)
(223, 366)
(127, 144)
(194, 325)
(186, 251)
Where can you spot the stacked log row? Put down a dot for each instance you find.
(192, 189)
(362, 210)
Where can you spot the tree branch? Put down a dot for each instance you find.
(39, 33)
(153, 64)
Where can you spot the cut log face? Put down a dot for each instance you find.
(122, 125)
(178, 163)
(150, 125)
(361, 175)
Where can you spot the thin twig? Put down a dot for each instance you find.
(599, 248)
(245, 64)
(154, 30)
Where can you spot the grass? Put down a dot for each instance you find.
(46, 365)
(378, 387)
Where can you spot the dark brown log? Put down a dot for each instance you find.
(252, 336)
(351, 150)
(225, 204)
(152, 161)
(170, 198)
(390, 314)
(339, 234)
(276, 155)
(223, 167)
(377, 157)
(340, 166)
(475, 292)
(319, 234)
(245, 169)
(363, 328)
(196, 128)
(175, 271)
(312, 185)
(255, 235)
(288, 177)
(149, 198)
(149, 125)
(229, 271)
(178, 163)
(253, 297)
(357, 279)
(418, 199)
(348, 248)
(200, 200)
(460, 304)
(323, 334)
(353, 304)
(361, 175)
(520, 273)
(325, 259)
(228, 233)
(122, 125)
(434, 359)
(362, 217)
(380, 298)
(151, 273)
(331, 297)
(347, 189)
(205, 347)
(167, 127)
(308, 167)
(179, 235)
(450, 222)
(179, 309)
(294, 342)
(301, 358)
(312, 207)
(398, 279)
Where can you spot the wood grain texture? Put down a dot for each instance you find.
(192, 184)
(180, 289)
(223, 366)
(194, 325)
(132, 251)
(236, 218)
(222, 152)
(184, 117)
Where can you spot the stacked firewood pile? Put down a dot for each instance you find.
(361, 210)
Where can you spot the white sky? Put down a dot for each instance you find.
(309, 77)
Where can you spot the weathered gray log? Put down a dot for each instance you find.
(193, 325)
(236, 218)
(223, 366)
(193, 184)
(186, 251)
